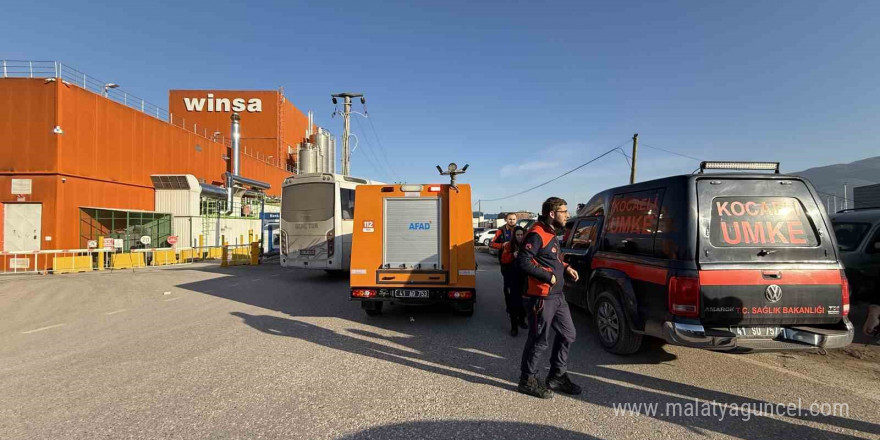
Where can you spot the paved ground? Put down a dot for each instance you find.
(260, 352)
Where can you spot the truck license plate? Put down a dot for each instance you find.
(307, 252)
(408, 293)
(757, 332)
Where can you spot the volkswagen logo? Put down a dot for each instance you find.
(773, 293)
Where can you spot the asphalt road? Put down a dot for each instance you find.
(261, 352)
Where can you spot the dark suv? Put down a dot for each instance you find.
(724, 261)
(858, 242)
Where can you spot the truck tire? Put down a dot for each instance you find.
(612, 327)
(373, 308)
(463, 309)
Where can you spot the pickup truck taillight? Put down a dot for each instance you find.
(331, 245)
(684, 296)
(844, 293)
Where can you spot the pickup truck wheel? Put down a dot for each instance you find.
(373, 308)
(614, 331)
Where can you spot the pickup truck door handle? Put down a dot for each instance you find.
(773, 275)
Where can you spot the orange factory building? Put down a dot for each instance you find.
(69, 145)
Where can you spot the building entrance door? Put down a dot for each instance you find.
(22, 226)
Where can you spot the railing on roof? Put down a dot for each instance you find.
(56, 69)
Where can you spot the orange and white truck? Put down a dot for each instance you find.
(413, 244)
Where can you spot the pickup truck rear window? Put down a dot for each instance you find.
(744, 221)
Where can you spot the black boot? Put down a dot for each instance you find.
(563, 384)
(532, 386)
(522, 323)
(514, 329)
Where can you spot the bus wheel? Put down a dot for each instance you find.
(373, 308)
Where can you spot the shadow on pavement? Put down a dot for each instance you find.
(431, 343)
(460, 429)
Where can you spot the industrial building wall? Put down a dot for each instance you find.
(264, 133)
(27, 117)
(105, 154)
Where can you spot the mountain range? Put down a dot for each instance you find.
(829, 180)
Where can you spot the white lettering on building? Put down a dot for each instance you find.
(252, 105)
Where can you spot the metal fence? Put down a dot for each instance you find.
(56, 69)
(88, 260)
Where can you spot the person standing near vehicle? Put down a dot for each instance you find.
(504, 233)
(541, 261)
(514, 281)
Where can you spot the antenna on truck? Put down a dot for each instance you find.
(452, 171)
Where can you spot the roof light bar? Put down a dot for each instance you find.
(757, 166)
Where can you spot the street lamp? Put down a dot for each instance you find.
(109, 86)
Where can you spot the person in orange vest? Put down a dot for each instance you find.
(504, 233)
(514, 281)
(541, 260)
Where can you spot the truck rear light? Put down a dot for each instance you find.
(283, 242)
(684, 296)
(460, 294)
(331, 243)
(363, 293)
(434, 189)
(844, 293)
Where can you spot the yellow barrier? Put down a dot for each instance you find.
(214, 253)
(72, 264)
(127, 261)
(187, 255)
(164, 258)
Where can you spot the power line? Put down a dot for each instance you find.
(559, 176)
(369, 155)
(379, 141)
(385, 169)
(671, 152)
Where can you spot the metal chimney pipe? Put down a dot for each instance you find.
(236, 160)
(236, 143)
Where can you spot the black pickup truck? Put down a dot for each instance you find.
(734, 261)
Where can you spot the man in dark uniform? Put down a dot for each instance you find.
(541, 259)
(504, 233)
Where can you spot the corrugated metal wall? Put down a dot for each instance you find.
(867, 196)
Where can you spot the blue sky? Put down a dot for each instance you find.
(522, 91)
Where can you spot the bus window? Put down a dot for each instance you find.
(307, 202)
(347, 204)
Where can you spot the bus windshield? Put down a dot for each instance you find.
(307, 202)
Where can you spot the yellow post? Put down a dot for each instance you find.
(255, 253)
(250, 235)
(241, 239)
(201, 246)
(101, 254)
(224, 253)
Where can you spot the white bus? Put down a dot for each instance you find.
(317, 215)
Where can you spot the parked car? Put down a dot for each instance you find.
(526, 223)
(858, 241)
(478, 232)
(486, 237)
(720, 261)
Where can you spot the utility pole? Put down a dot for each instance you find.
(632, 174)
(845, 204)
(346, 131)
